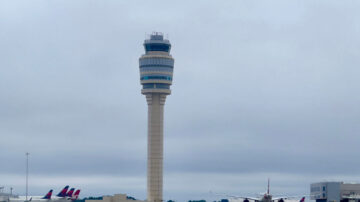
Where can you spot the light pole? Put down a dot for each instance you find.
(27, 173)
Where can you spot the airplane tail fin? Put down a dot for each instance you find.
(63, 191)
(48, 195)
(302, 199)
(76, 195)
(70, 192)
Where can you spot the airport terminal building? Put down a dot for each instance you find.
(115, 198)
(335, 192)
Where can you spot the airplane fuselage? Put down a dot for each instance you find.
(38, 199)
(266, 198)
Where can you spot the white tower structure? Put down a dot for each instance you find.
(156, 73)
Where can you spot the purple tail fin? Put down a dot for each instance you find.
(48, 195)
(70, 192)
(63, 192)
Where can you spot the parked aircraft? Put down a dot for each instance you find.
(47, 197)
(63, 196)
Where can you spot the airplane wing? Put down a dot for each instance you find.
(237, 197)
(288, 197)
(244, 197)
(281, 197)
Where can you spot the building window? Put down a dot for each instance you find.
(156, 78)
(323, 195)
(315, 189)
(157, 47)
(324, 188)
(156, 69)
(156, 61)
(148, 85)
(162, 86)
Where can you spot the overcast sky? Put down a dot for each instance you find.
(261, 89)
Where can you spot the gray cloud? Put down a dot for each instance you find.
(265, 89)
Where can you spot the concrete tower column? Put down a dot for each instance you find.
(156, 103)
(156, 72)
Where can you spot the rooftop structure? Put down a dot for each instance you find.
(115, 198)
(335, 192)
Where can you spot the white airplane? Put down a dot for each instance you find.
(63, 195)
(47, 197)
(266, 197)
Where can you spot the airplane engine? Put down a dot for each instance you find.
(281, 200)
(246, 200)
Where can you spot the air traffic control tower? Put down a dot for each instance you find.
(156, 73)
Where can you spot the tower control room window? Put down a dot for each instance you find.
(157, 47)
(156, 78)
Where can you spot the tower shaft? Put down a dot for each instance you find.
(156, 103)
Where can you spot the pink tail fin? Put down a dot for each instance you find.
(76, 195)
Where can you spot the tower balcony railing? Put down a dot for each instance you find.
(156, 90)
(156, 81)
